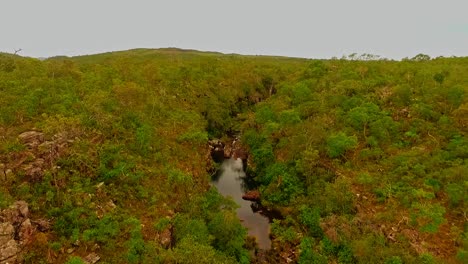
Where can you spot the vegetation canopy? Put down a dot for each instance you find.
(365, 158)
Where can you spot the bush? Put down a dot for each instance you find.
(338, 144)
(75, 260)
(310, 217)
(308, 255)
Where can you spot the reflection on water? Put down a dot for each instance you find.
(229, 181)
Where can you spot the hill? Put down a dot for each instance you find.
(365, 160)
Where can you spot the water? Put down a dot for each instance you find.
(230, 181)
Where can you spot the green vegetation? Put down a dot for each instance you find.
(366, 159)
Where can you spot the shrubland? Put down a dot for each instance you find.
(365, 159)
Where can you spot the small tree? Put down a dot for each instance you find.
(338, 144)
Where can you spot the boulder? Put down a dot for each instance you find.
(8, 252)
(253, 195)
(165, 238)
(31, 139)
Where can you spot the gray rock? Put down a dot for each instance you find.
(92, 258)
(7, 233)
(22, 208)
(8, 251)
(31, 138)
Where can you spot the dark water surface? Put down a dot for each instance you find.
(230, 181)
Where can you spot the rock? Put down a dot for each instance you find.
(34, 170)
(217, 154)
(111, 205)
(92, 258)
(26, 232)
(227, 152)
(9, 175)
(29, 136)
(95, 247)
(8, 252)
(77, 243)
(16, 231)
(46, 146)
(31, 139)
(23, 208)
(7, 233)
(251, 196)
(42, 225)
(70, 250)
(216, 150)
(11, 215)
(165, 238)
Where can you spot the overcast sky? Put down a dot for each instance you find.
(299, 28)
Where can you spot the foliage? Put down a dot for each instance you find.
(339, 143)
(338, 146)
(75, 260)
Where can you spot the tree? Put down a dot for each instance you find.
(339, 143)
(421, 57)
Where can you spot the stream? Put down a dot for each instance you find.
(229, 180)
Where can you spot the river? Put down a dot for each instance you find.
(229, 181)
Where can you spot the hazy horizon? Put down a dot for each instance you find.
(305, 29)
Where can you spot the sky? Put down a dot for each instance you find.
(297, 28)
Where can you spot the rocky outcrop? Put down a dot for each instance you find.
(16, 231)
(216, 150)
(219, 150)
(31, 139)
(8, 246)
(38, 156)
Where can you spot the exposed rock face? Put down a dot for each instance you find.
(8, 252)
(252, 196)
(234, 149)
(16, 231)
(39, 155)
(216, 149)
(11, 223)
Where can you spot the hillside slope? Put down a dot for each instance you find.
(366, 160)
